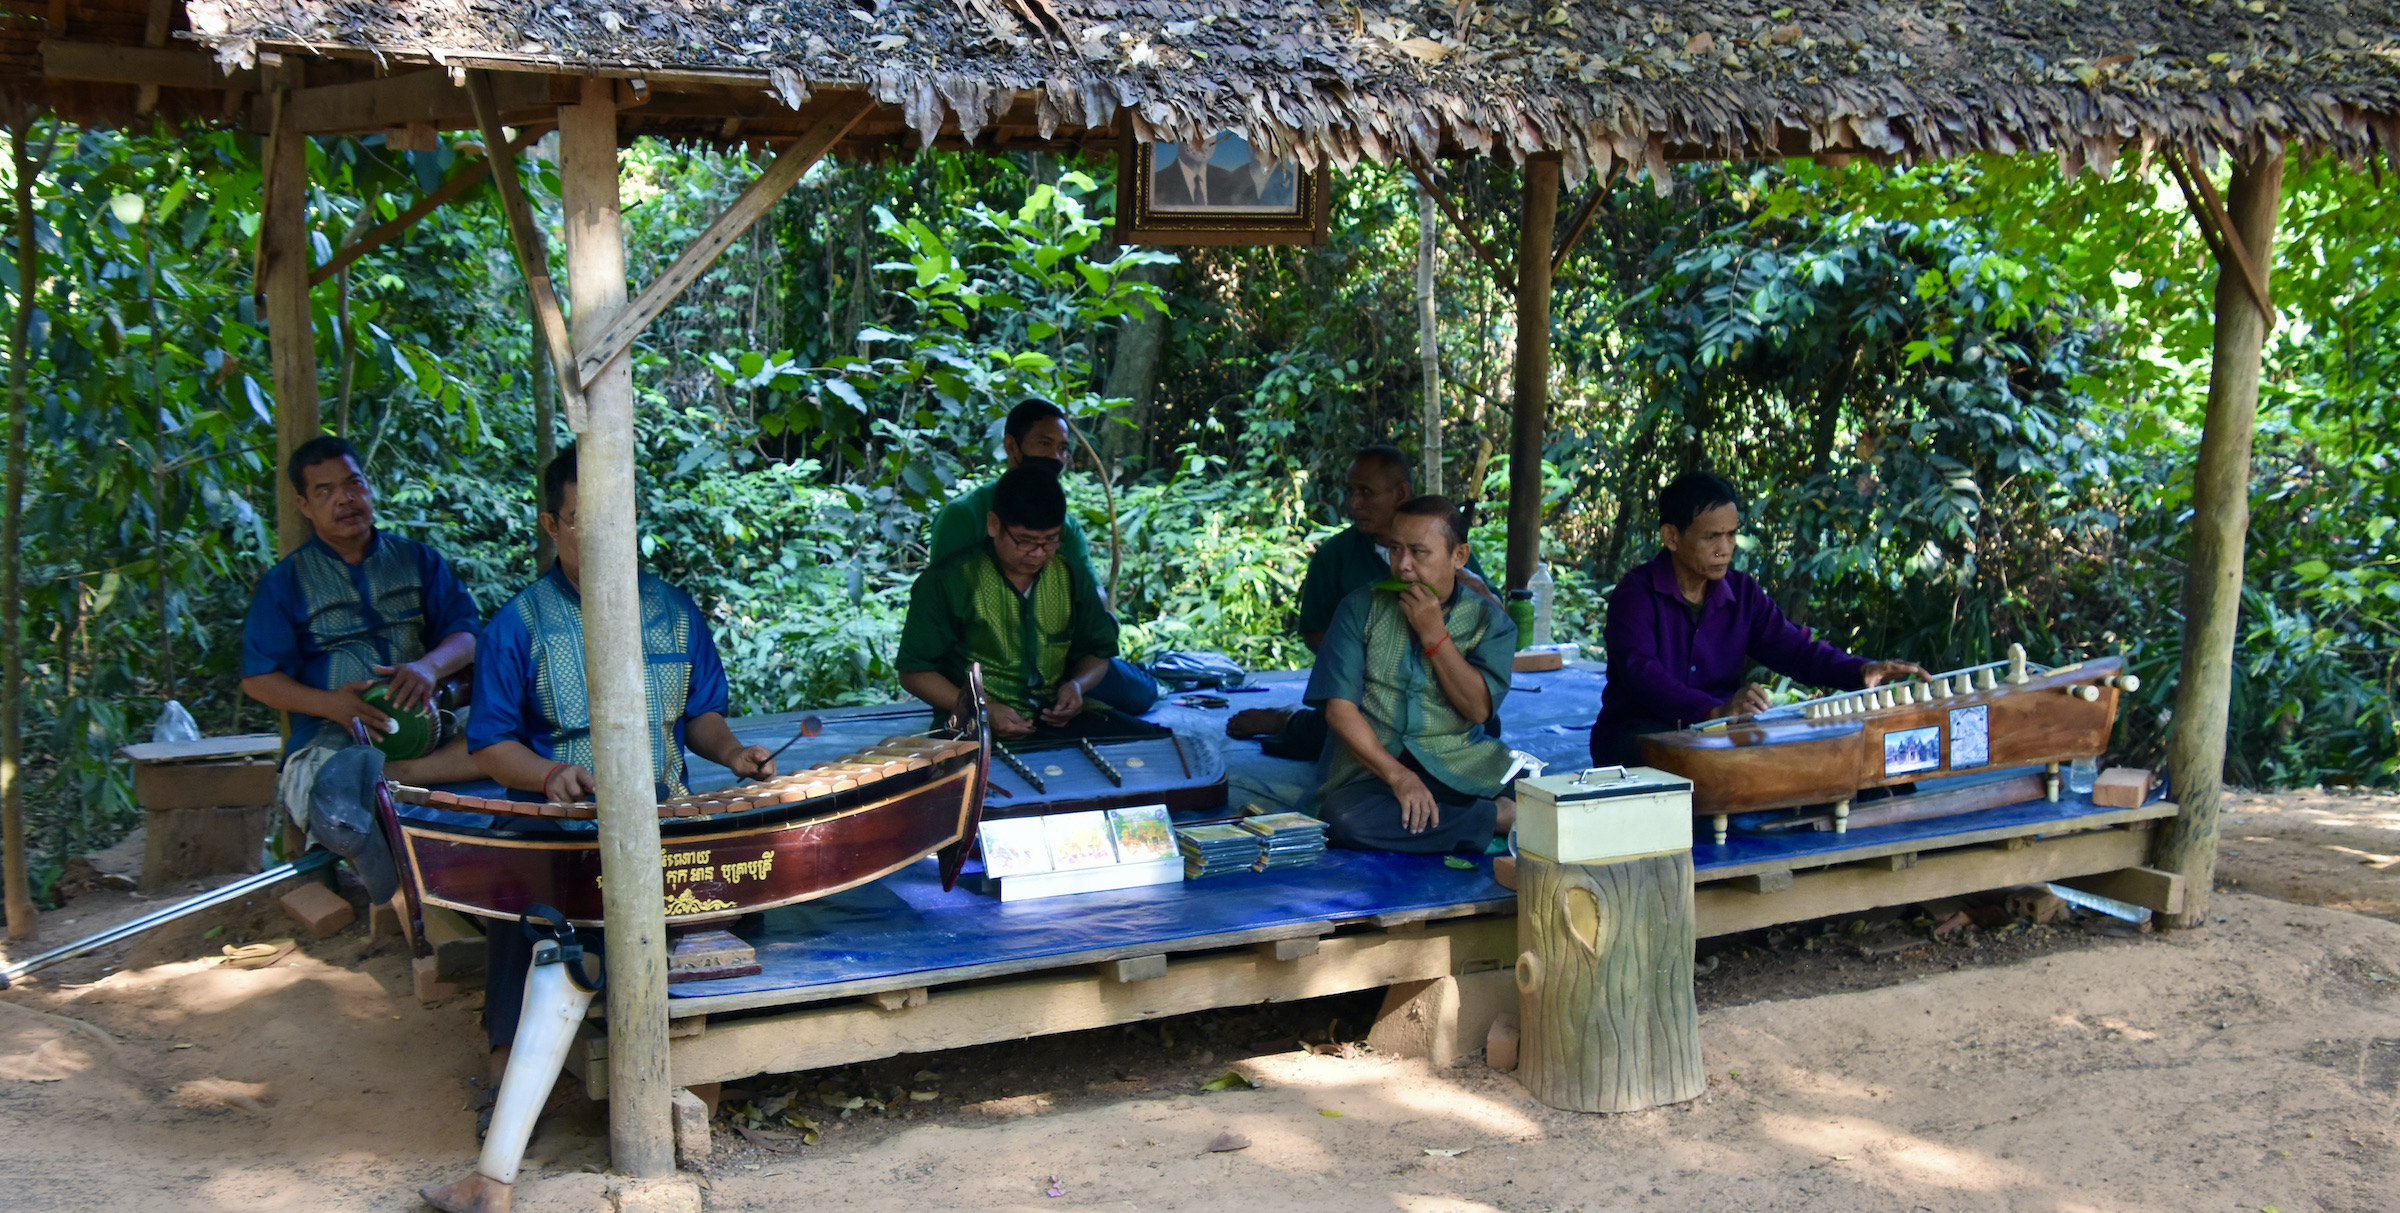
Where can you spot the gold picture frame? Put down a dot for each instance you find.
(1218, 192)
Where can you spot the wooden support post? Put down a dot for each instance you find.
(1604, 977)
(633, 890)
(22, 919)
(1429, 349)
(1533, 370)
(283, 252)
(2212, 587)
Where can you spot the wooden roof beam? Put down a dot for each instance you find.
(746, 210)
(381, 234)
(533, 253)
(101, 63)
(423, 97)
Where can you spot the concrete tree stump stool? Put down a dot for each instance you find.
(1604, 978)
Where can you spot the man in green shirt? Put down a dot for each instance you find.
(1357, 557)
(1010, 602)
(1036, 436)
(1406, 681)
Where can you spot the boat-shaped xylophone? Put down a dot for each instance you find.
(1824, 751)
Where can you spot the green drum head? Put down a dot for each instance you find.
(418, 732)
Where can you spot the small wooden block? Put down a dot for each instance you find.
(1135, 968)
(2121, 787)
(1504, 871)
(687, 1028)
(383, 921)
(553, 809)
(2039, 904)
(690, 1114)
(1534, 661)
(1500, 1044)
(707, 1092)
(706, 954)
(319, 911)
(2018, 843)
(1288, 949)
(1896, 863)
(442, 798)
(1766, 882)
(458, 948)
(430, 987)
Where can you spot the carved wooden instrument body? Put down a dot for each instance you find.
(1824, 751)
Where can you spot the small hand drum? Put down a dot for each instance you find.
(419, 730)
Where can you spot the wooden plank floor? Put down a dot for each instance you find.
(983, 1008)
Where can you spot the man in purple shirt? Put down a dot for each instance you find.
(1684, 629)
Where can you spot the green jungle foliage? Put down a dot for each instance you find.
(1964, 399)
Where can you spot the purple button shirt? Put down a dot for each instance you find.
(1664, 670)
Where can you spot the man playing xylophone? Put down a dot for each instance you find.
(1033, 620)
(1684, 628)
(1036, 435)
(346, 610)
(532, 728)
(1406, 681)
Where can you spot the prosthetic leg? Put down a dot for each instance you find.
(556, 999)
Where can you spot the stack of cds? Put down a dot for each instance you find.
(1286, 840)
(1216, 849)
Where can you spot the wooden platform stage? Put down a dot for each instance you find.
(900, 967)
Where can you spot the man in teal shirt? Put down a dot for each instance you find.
(1036, 435)
(1352, 560)
(1406, 681)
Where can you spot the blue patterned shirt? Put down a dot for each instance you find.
(327, 623)
(529, 684)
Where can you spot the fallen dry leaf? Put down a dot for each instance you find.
(1425, 49)
(1444, 1152)
(1328, 1112)
(1226, 1143)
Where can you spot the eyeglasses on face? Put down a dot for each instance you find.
(1030, 542)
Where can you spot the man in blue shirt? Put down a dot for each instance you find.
(348, 609)
(532, 727)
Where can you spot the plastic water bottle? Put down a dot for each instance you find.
(1543, 589)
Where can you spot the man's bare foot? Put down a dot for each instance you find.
(1257, 722)
(477, 1193)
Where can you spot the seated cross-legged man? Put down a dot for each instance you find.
(1406, 681)
(1034, 622)
(1036, 435)
(1352, 559)
(351, 608)
(1684, 629)
(532, 730)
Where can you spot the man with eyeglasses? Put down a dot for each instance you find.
(349, 610)
(1036, 436)
(1034, 622)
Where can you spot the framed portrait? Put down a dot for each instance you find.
(1217, 191)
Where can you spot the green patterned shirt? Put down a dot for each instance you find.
(963, 609)
(1372, 659)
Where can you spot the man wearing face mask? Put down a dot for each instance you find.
(1684, 629)
(1406, 679)
(349, 609)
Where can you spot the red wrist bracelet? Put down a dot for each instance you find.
(555, 768)
(1437, 645)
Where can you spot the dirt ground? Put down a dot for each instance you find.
(2250, 1065)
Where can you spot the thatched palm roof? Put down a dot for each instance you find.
(1598, 83)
